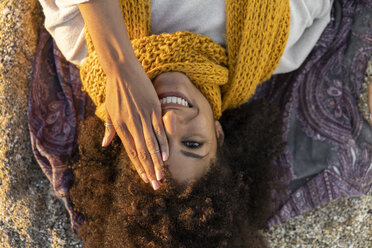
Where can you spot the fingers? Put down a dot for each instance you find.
(154, 150)
(161, 137)
(130, 148)
(135, 125)
(141, 153)
(109, 132)
(146, 151)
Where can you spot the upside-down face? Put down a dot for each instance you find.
(192, 132)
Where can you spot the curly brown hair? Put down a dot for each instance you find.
(225, 208)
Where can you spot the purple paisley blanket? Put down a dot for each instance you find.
(329, 145)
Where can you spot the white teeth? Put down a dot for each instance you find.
(185, 103)
(174, 99)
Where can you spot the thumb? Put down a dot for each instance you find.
(109, 132)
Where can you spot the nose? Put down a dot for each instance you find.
(171, 121)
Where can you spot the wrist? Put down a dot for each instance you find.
(124, 69)
(118, 60)
(114, 55)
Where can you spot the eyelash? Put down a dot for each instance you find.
(191, 144)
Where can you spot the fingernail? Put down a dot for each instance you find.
(144, 177)
(104, 141)
(159, 175)
(155, 184)
(164, 156)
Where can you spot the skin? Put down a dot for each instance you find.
(133, 106)
(133, 109)
(193, 134)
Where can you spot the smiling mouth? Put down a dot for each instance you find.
(174, 99)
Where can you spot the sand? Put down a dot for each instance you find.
(30, 214)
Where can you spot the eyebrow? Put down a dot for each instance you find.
(193, 155)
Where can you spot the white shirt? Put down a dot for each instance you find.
(308, 20)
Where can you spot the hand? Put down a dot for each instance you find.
(133, 108)
(131, 102)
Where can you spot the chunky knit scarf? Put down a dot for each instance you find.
(257, 32)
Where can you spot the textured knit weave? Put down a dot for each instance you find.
(257, 32)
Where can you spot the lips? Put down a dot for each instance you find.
(174, 99)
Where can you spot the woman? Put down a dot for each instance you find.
(302, 179)
(220, 206)
(104, 21)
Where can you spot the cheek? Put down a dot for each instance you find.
(183, 171)
(202, 125)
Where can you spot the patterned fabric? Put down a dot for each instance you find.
(329, 151)
(256, 31)
(56, 105)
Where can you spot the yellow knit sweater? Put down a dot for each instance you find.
(257, 32)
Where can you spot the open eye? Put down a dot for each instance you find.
(192, 144)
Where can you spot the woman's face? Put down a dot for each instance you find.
(190, 127)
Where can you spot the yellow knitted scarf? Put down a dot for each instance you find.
(257, 32)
